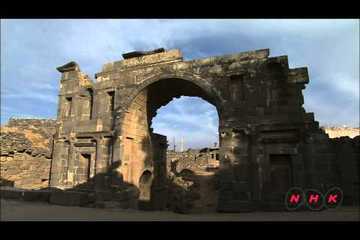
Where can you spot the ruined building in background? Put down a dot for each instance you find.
(336, 132)
(205, 159)
(267, 141)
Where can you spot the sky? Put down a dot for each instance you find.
(32, 49)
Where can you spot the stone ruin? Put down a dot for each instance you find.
(104, 146)
(26, 152)
(193, 170)
(205, 159)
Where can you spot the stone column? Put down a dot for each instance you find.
(102, 155)
(56, 164)
(102, 168)
(71, 166)
(240, 155)
(225, 172)
(308, 154)
(235, 192)
(59, 163)
(256, 158)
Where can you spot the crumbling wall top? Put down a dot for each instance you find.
(71, 66)
(142, 53)
(144, 59)
(239, 57)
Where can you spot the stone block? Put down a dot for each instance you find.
(91, 197)
(273, 201)
(240, 187)
(11, 193)
(69, 198)
(116, 204)
(121, 196)
(100, 204)
(41, 195)
(104, 196)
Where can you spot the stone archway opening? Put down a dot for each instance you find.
(145, 183)
(189, 123)
(142, 148)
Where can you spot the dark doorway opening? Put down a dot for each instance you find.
(145, 184)
(281, 172)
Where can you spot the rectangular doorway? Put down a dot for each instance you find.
(85, 161)
(281, 172)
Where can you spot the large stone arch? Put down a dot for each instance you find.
(136, 152)
(261, 116)
(217, 99)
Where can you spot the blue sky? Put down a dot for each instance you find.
(32, 49)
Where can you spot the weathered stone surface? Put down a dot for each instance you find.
(39, 195)
(142, 53)
(11, 193)
(71, 66)
(26, 148)
(69, 198)
(273, 202)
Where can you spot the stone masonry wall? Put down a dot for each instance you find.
(26, 149)
(347, 151)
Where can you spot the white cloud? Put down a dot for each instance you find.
(345, 84)
(32, 49)
(177, 119)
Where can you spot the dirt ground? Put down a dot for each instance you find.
(36, 211)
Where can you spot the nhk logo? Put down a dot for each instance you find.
(313, 199)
